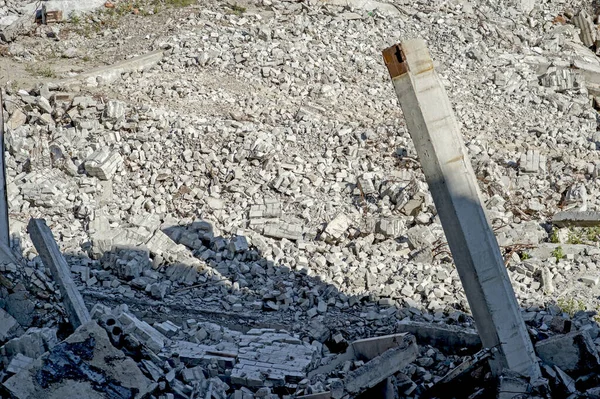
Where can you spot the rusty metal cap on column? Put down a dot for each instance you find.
(395, 61)
(409, 56)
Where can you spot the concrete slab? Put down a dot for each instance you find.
(109, 74)
(380, 368)
(66, 6)
(450, 339)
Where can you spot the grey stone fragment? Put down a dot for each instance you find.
(32, 344)
(9, 327)
(143, 331)
(575, 353)
(103, 163)
(194, 374)
(511, 384)
(590, 279)
(21, 307)
(114, 110)
(18, 363)
(336, 229)
(587, 28)
(391, 227)
(533, 162)
(283, 230)
(16, 120)
(561, 79)
(128, 262)
(420, 236)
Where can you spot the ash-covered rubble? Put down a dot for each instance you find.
(255, 197)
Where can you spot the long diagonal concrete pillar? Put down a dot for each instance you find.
(436, 135)
(4, 228)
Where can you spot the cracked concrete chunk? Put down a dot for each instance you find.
(103, 163)
(85, 365)
(575, 353)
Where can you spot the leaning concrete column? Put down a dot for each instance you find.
(4, 228)
(435, 133)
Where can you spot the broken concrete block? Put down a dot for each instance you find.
(192, 354)
(195, 374)
(561, 79)
(391, 227)
(512, 384)
(85, 365)
(18, 363)
(378, 369)
(127, 261)
(450, 339)
(32, 344)
(370, 348)
(336, 229)
(574, 353)
(21, 307)
(238, 244)
(270, 209)
(9, 328)
(103, 163)
(590, 280)
(16, 120)
(114, 110)
(283, 230)
(365, 183)
(586, 26)
(143, 331)
(532, 162)
(420, 236)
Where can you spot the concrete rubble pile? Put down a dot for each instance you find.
(241, 207)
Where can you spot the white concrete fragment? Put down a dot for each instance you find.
(103, 163)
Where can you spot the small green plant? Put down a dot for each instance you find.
(74, 18)
(524, 256)
(570, 305)
(593, 234)
(44, 71)
(575, 237)
(554, 236)
(180, 3)
(237, 9)
(558, 253)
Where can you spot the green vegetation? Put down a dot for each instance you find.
(237, 9)
(74, 18)
(575, 237)
(178, 3)
(524, 256)
(593, 234)
(554, 236)
(109, 17)
(570, 305)
(558, 253)
(44, 71)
